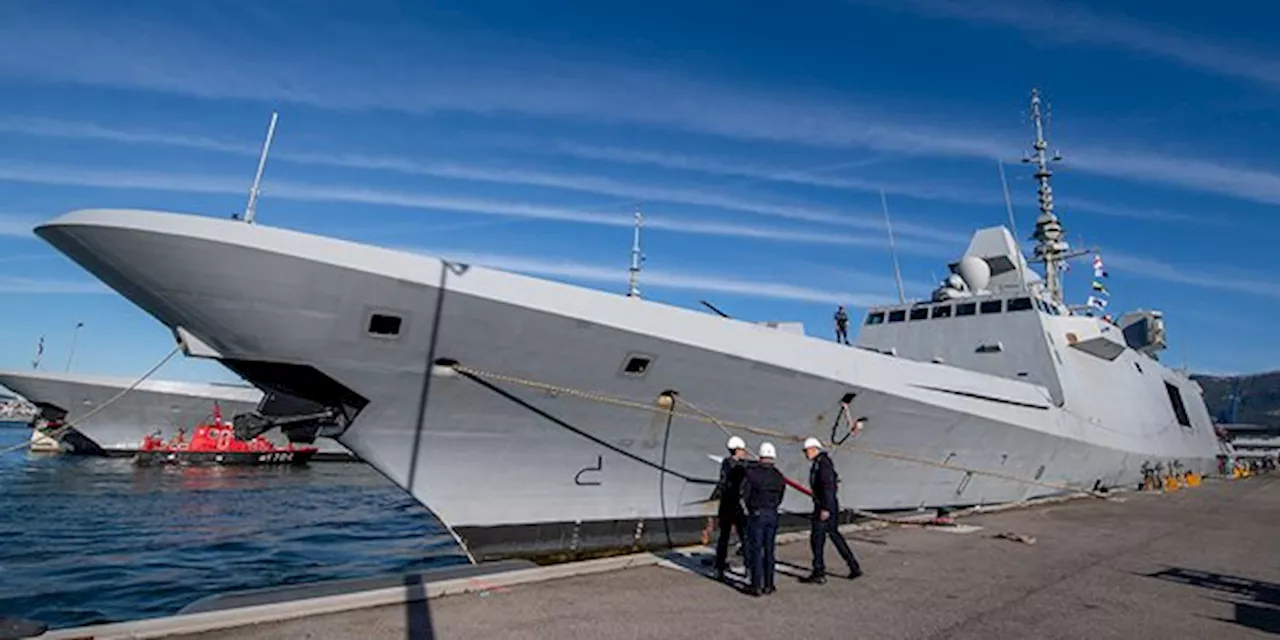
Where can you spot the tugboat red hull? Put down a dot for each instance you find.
(217, 444)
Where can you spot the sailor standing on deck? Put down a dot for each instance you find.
(823, 482)
(842, 325)
(762, 489)
(730, 514)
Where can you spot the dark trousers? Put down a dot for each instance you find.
(762, 537)
(842, 334)
(818, 534)
(729, 519)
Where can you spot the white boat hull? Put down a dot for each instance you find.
(44, 443)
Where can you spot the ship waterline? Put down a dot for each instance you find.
(551, 435)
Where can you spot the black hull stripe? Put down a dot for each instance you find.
(237, 458)
(979, 396)
(547, 542)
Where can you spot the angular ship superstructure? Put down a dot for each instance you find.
(538, 418)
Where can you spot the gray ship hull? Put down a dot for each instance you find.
(548, 445)
(118, 428)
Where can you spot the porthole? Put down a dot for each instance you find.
(384, 325)
(636, 365)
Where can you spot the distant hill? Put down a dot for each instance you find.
(1259, 397)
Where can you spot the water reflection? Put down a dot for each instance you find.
(99, 539)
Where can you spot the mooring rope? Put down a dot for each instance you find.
(63, 429)
(727, 426)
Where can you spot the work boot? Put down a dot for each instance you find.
(770, 589)
(814, 578)
(855, 573)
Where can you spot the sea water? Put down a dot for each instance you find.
(86, 540)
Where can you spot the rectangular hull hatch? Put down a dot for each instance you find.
(1098, 346)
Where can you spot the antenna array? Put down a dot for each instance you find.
(1052, 248)
(637, 257)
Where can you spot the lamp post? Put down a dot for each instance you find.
(75, 334)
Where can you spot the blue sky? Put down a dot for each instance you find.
(754, 136)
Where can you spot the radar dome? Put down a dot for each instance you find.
(975, 272)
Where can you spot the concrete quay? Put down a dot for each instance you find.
(1200, 562)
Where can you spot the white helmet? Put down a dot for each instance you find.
(736, 443)
(767, 450)
(812, 443)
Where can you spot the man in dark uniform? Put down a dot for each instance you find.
(729, 490)
(842, 325)
(823, 481)
(762, 489)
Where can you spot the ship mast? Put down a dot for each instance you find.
(251, 209)
(1052, 248)
(633, 280)
(893, 251)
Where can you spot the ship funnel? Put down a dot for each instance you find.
(975, 272)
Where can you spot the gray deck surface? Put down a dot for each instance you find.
(1202, 562)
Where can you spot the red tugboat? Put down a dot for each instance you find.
(216, 443)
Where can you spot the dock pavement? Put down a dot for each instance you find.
(1202, 562)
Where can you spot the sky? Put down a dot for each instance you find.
(756, 139)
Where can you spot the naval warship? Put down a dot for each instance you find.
(541, 419)
(101, 415)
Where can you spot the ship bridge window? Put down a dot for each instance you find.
(966, 308)
(942, 311)
(1040, 305)
(898, 315)
(1020, 304)
(992, 306)
(876, 317)
(1179, 409)
(384, 325)
(920, 313)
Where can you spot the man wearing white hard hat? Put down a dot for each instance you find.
(823, 482)
(729, 490)
(762, 490)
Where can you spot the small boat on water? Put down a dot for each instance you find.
(216, 443)
(101, 415)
